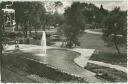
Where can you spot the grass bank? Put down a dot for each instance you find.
(106, 54)
(109, 74)
(111, 58)
(15, 62)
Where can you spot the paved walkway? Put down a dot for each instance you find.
(93, 32)
(82, 60)
(120, 68)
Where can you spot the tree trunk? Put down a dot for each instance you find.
(35, 31)
(30, 33)
(1, 48)
(1, 30)
(30, 29)
(43, 28)
(26, 29)
(70, 44)
(117, 48)
(17, 28)
(116, 45)
(25, 33)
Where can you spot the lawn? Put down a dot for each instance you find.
(105, 54)
(111, 58)
(109, 74)
(93, 41)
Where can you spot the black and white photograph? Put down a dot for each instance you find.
(63, 41)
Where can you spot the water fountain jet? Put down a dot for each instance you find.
(43, 45)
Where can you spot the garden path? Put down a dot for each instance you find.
(83, 59)
(120, 68)
(93, 32)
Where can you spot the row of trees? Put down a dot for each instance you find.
(78, 16)
(34, 15)
(31, 16)
(27, 15)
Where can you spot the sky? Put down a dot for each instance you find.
(107, 4)
(111, 4)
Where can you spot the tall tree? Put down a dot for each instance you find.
(57, 5)
(53, 6)
(74, 20)
(115, 31)
(101, 15)
(29, 14)
(94, 15)
(90, 12)
(58, 18)
(1, 29)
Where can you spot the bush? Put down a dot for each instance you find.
(55, 37)
(11, 35)
(21, 41)
(19, 34)
(27, 41)
(37, 37)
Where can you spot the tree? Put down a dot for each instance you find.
(57, 5)
(90, 12)
(74, 21)
(101, 15)
(53, 6)
(58, 18)
(29, 14)
(115, 31)
(94, 15)
(1, 29)
(37, 16)
(53, 17)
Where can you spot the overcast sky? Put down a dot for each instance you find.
(107, 4)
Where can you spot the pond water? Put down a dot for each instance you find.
(58, 58)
